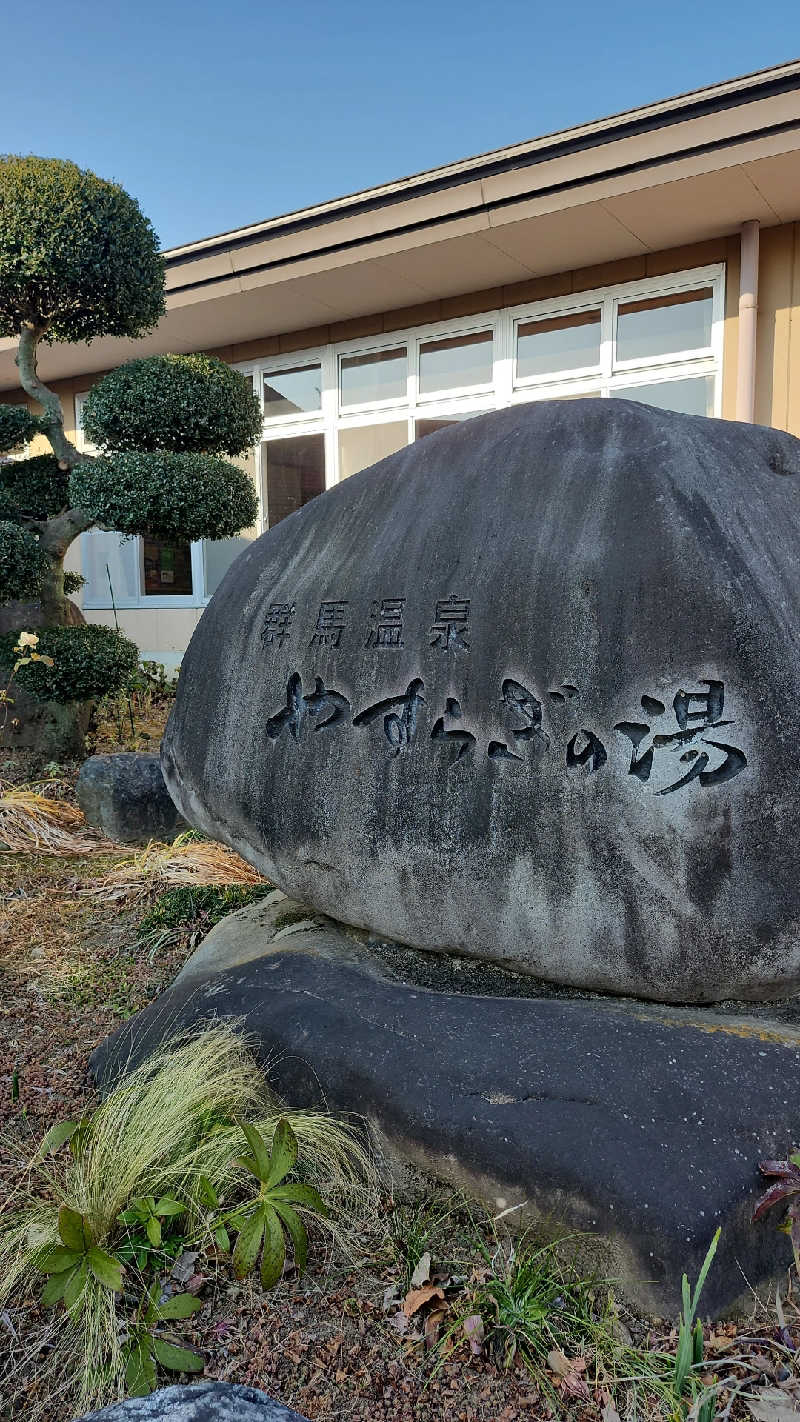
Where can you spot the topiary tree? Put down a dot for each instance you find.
(79, 260)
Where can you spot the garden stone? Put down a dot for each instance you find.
(198, 1402)
(638, 1128)
(125, 796)
(528, 691)
(252, 932)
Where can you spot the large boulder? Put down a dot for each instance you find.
(636, 1127)
(199, 1402)
(528, 690)
(124, 795)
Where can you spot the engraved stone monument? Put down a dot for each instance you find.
(529, 691)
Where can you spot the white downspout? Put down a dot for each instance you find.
(748, 319)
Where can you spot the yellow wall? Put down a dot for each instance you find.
(777, 376)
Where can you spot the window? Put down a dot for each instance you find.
(558, 343)
(295, 391)
(362, 445)
(694, 396)
(166, 568)
(455, 363)
(295, 473)
(647, 329)
(375, 377)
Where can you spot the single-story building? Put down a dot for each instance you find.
(652, 256)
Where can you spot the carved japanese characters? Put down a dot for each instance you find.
(527, 690)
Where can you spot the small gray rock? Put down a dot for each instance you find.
(125, 796)
(200, 1402)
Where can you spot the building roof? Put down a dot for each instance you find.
(674, 172)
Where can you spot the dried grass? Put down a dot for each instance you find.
(157, 1131)
(187, 861)
(30, 823)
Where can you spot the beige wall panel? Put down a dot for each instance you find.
(793, 359)
(774, 310)
(155, 632)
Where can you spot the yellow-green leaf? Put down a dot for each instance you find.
(153, 1229)
(259, 1149)
(180, 1360)
(274, 1255)
(297, 1230)
(106, 1270)
(53, 1290)
(284, 1153)
(248, 1243)
(59, 1260)
(75, 1285)
(140, 1371)
(71, 1229)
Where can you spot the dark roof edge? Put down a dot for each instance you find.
(496, 205)
(491, 166)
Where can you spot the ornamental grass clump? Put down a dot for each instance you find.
(83, 1239)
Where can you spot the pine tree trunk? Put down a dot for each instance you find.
(53, 599)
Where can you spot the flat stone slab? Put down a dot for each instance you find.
(125, 796)
(198, 1402)
(527, 691)
(642, 1126)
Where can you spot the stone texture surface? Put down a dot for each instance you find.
(125, 796)
(528, 690)
(199, 1402)
(250, 933)
(639, 1125)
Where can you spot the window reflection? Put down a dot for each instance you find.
(293, 392)
(379, 375)
(664, 325)
(558, 343)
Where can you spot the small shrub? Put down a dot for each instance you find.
(183, 496)
(17, 425)
(23, 566)
(262, 1220)
(187, 403)
(36, 487)
(88, 661)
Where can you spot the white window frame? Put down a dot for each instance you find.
(144, 601)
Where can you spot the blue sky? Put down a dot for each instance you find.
(215, 115)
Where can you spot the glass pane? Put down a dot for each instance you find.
(217, 558)
(110, 558)
(426, 427)
(455, 362)
(559, 343)
(358, 448)
(689, 397)
(167, 568)
(381, 375)
(295, 473)
(665, 324)
(292, 392)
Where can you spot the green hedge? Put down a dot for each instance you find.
(36, 487)
(23, 563)
(184, 403)
(166, 495)
(88, 662)
(17, 426)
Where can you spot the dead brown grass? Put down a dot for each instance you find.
(187, 861)
(31, 823)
